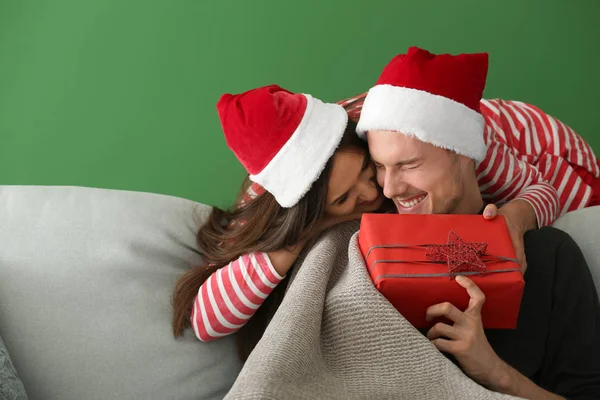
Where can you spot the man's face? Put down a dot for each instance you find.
(421, 178)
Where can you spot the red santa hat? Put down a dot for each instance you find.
(284, 140)
(434, 98)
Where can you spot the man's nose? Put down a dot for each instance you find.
(392, 185)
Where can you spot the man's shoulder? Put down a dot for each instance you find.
(548, 238)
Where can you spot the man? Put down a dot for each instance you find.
(534, 164)
(426, 136)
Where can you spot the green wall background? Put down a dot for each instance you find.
(121, 93)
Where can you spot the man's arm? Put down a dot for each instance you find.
(467, 342)
(512, 382)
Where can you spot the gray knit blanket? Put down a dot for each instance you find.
(335, 336)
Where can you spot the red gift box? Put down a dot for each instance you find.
(413, 259)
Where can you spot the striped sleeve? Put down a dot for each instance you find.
(503, 177)
(353, 105)
(565, 153)
(232, 294)
(531, 156)
(543, 198)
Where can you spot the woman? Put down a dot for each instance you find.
(311, 171)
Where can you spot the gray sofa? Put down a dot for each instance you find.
(85, 282)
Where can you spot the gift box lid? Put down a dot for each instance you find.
(414, 240)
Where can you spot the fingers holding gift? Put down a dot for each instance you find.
(467, 327)
(449, 311)
(490, 211)
(442, 330)
(444, 310)
(477, 297)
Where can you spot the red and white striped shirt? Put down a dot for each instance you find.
(232, 294)
(530, 156)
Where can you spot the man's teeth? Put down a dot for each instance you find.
(411, 203)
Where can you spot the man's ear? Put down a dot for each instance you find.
(466, 162)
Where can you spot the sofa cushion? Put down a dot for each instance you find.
(584, 227)
(85, 287)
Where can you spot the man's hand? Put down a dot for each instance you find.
(465, 339)
(520, 218)
(467, 342)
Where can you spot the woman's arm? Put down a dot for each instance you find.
(232, 294)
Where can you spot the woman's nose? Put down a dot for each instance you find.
(368, 190)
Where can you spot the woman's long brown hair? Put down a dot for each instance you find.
(268, 227)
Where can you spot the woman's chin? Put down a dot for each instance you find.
(372, 206)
